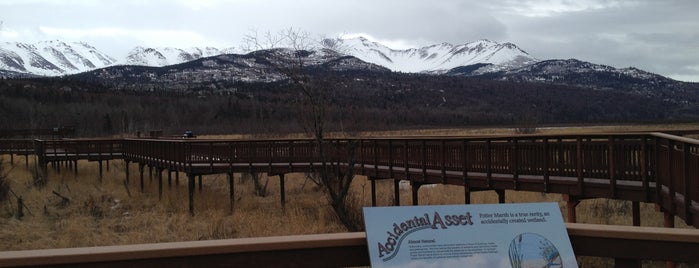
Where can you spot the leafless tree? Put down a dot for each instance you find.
(290, 52)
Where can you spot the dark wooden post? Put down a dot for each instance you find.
(571, 203)
(373, 191)
(160, 183)
(41, 165)
(191, 193)
(177, 178)
(396, 192)
(20, 207)
(126, 167)
(415, 188)
(140, 171)
(150, 173)
(169, 178)
(669, 222)
(612, 170)
(200, 183)
(282, 193)
(231, 190)
(636, 213)
(501, 196)
(467, 195)
(75, 172)
(100, 165)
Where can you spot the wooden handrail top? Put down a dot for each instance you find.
(295, 242)
(177, 249)
(634, 232)
(675, 138)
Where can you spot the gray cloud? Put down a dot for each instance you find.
(658, 36)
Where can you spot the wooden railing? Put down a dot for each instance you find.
(617, 166)
(625, 244)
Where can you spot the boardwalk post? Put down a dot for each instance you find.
(140, 171)
(579, 165)
(75, 171)
(191, 193)
(415, 188)
(636, 213)
(501, 196)
(160, 183)
(571, 203)
(689, 218)
(231, 190)
(41, 165)
(100, 165)
(200, 183)
(669, 222)
(282, 193)
(177, 178)
(373, 191)
(126, 167)
(612, 170)
(396, 192)
(467, 195)
(169, 178)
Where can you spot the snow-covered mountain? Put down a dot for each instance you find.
(55, 58)
(51, 58)
(164, 56)
(437, 58)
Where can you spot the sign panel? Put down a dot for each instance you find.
(487, 235)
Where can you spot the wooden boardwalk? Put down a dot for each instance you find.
(644, 167)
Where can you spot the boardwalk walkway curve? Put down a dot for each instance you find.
(643, 167)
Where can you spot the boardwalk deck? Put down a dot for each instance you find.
(617, 166)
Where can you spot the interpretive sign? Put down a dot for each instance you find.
(487, 235)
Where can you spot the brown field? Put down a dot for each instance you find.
(103, 213)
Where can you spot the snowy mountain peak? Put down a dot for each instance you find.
(163, 56)
(437, 58)
(51, 58)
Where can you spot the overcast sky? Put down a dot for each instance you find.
(660, 36)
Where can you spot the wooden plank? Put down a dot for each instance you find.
(343, 249)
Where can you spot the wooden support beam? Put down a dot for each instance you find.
(177, 178)
(231, 189)
(200, 183)
(191, 193)
(140, 171)
(282, 193)
(126, 167)
(100, 165)
(373, 191)
(160, 183)
(396, 192)
(169, 178)
(571, 203)
(501, 196)
(636, 213)
(415, 187)
(467, 195)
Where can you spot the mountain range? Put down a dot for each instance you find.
(481, 59)
(55, 58)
